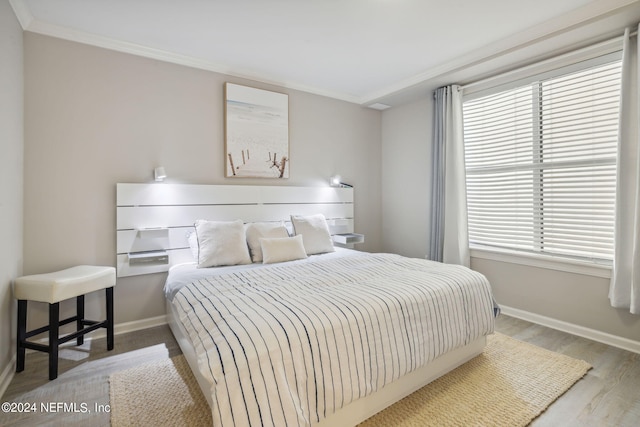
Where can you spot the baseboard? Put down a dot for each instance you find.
(581, 331)
(136, 325)
(7, 375)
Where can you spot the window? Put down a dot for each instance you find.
(541, 163)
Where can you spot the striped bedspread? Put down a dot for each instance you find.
(289, 344)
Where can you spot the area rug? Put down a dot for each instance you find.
(509, 384)
(163, 393)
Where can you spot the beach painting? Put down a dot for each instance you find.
(256, 133)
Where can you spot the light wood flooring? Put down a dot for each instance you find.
(609, 395)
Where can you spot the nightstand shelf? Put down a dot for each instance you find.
(348, 238)
(148, 257)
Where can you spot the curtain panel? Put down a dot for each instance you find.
(449, 233)
(624, 291)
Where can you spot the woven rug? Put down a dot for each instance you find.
(509, 384)
(163, 393)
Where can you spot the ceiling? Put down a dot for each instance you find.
(362, 51)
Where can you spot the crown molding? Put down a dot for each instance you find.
(29, 23)
(528, 37)
(536, 34)
(84, 37)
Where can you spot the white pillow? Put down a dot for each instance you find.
(257, 230)
(280, 249)
(315, 233)
(221, 243)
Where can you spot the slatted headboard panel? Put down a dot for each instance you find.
(158, 216)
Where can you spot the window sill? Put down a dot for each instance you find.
(543, 261)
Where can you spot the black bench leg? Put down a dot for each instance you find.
(80, 315)
(109, 292)
(54, 326)
(22, 333)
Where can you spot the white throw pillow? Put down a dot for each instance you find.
(315, 233)
(280, 249)
(257, 230)
(221, 243)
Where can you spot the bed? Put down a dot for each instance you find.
(329, 337)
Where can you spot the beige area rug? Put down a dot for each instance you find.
(163, 393)
(510, 384)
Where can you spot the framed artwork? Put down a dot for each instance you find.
(256, 132)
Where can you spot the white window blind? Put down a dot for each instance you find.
(541, 164)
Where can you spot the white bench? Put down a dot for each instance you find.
(53, 288)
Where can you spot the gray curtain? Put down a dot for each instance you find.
(449, 233)
(437, 176)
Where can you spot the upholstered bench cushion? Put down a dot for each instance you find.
(64, 284)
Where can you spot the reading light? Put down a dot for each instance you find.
(159, 174)
(335, 181)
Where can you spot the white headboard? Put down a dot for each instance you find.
(153, 220)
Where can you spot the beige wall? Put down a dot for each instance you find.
(574, 298)
(11, 182)
(95, 117)
(406, 183)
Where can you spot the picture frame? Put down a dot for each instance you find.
(256, 132)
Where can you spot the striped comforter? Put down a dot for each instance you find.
(289, 344)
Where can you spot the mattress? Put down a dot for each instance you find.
(291, 343)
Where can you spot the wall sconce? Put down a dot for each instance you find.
(159, 174)
(335, 181)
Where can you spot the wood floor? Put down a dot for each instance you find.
(609, 395)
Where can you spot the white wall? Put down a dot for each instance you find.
(95, 117)
(11, 181)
